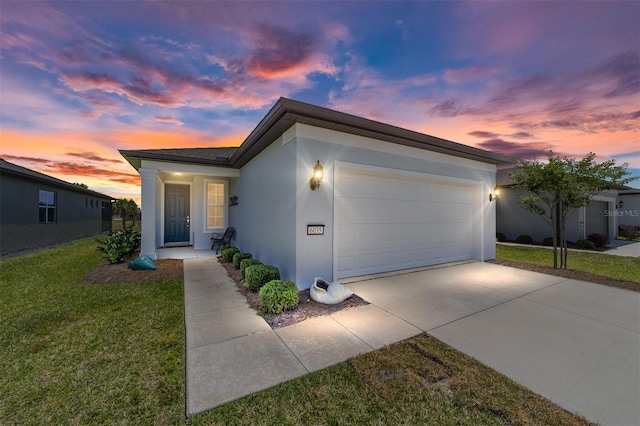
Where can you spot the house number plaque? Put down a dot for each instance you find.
(315, 229)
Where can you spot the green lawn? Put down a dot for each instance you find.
(622, 268)
(74, 353)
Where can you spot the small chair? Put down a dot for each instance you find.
(225, 240)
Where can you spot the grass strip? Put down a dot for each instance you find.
(606, 265)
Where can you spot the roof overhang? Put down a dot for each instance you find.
(286, 112)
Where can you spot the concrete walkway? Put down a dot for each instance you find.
(574, 342)
(624, 248)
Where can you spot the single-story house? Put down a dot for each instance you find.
(388, 199)
(628, 212)
(37, 210)
(598, 217)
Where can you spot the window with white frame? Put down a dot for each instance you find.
(215, 205)
(47, 206)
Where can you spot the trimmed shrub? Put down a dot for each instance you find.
(524, 239)
(245, 263)
(599, 240)
(277, 296)
(238, 257)
(501, 237)
(629, 232)
(118, 245)
(227, 253)
(256, 276)
(548, 242)
(585, 245)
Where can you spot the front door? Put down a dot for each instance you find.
(177, 219)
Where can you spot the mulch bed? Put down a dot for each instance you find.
(107, 273)
(307, 308)
(570, 274)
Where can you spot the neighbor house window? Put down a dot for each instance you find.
(215, 205)
(47, 206)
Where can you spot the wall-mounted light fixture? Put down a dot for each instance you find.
(620, 204)
(495, 195)
(318, 174)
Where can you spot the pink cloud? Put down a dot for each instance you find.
(278, 51)
(171, 120)
(516, 149)
(92, 156)
(464, 75)
(67, 169)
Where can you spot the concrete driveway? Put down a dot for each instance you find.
(574, 342)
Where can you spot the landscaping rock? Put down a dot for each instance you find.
(142, 263)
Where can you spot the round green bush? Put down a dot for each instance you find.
(585, 245)
(548, 242)
(256, 276)
(599, 240)
(277, 296)
(227, 253)
(238, 257)
(501, 237)
(245, 263)
(524, 239)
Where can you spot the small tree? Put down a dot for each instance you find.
(127, 209)
(561, 185)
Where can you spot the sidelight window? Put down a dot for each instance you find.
(215, 205)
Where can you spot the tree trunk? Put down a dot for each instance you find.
(554, 233)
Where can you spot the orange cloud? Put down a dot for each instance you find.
(93, 158)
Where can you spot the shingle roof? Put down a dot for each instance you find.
(10, 169)
(210, 156)
(286, 112)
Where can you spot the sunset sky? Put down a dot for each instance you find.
(80, 80)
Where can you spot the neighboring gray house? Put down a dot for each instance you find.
(37, 210)
(628, 212)
(599, 217)
(389, 199)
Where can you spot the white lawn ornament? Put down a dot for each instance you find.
(329, 293)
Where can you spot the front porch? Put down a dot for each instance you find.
(185, 253)
(183, 205)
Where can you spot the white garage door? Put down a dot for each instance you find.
(387, 222)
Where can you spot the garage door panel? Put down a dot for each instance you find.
(402, 190)
(391, 211)
(400, 258)
(399, 235)
(386, 222)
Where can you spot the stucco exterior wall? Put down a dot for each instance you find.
(314, 254)
(629, 214)
(266, 209)
(78, 215)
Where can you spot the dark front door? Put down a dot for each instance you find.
(176, 224)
